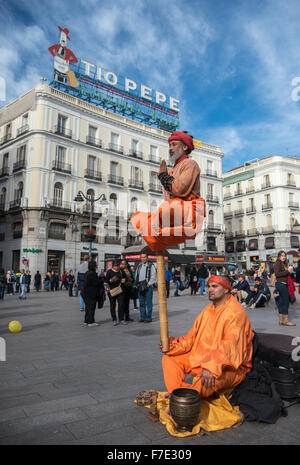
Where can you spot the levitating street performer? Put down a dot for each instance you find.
(218, 348)
(180, 216)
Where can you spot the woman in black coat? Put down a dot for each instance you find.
(91, 291)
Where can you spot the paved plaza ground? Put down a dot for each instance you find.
(64, 383)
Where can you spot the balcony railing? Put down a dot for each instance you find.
(62, 167)
(112, 240)
(251, 210)
(19, 165)
(229, 234)
(154, 159)
(62, 131)
(227, 196)
(115, 179)
(252, 232)
(136, 154)
(211, 173)
(239, 192)
(239, 212)
(59, 204)
(15, 204)
(291, 184)
(211, 227)
(136, 184)
(228, 214)
(240, 233)
(115, 147)
(93, 174)
(155, 188)
(249, 190)
(266, 185)
(212, 199)
(211, 248)
(267, 206)
(267, 230)
(5, 138)
(23, 129)
(4, 171)
(93, 141)
(294, 205)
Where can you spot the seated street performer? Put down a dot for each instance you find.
(218, 348)
(180, 216)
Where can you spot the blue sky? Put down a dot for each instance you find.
(230, 62)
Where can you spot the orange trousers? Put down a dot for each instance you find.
(176, 367)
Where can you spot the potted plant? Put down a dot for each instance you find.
(90, 235)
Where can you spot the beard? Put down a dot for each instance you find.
(175, 156)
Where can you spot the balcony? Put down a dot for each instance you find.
(227, 196)
(19, 165)
(291, 184)
(93, 174)
(267, 206)
(5, 138)
(249, 190)
(62, 167)
(212, 199)
(229, 235)
(266, 185)
(252, 232)
(240, 233)
(211, 173)
(112, 240)
(133, 183)
(62, 131)
(136, 154)
(154, 159)
(228, 214)
(115, 148)
(294, 205)
(268, 230)
(58, 204)
(155, 188)
(113, 212)
(239, 212)
(213, 227)
(118, 180)
(93, 141)
(14, 204)
(212, 248)
(238, 192)
(83, 238)
(23, 129)
(4, 172)
(250, 210)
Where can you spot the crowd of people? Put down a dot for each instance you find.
(123, 283)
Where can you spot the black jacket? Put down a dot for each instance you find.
(116, 276)
(242, 286)
(203, 272)
(92, 286)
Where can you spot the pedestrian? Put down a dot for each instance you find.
(56, 281)
(9, 283)
(91, 290)
(259, 295)
(281, 272)
(18, 274)
(145, 279)
(47, 281)
(177, 280)
(2, 283)
(71, 280)
(298, 270)
(202, 275)
(291, 284)
(28, 281)
(241, 286)
(23, 282)
(168, 277)
(127, 287)
(79, 277)
(115, 277)
(193, 281)
(63, 280)
(132, 268)
(37, 281)
(13, 279)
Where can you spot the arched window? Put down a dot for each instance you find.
(19, 191)
(58, 194)
(211, 218)
(133, 204)
(153, 206)
(113, 203)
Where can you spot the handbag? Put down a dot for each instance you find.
(116, 291)
(142, 286)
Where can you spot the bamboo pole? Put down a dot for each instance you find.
(162, 301)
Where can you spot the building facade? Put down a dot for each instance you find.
(261, 210)
(53, 145)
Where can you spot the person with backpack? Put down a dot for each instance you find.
(145, 279)
(202, 275)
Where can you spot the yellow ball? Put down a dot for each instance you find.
(15, 326)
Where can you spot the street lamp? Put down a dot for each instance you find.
(80, 197)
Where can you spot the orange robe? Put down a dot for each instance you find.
(180, 216)
(220, 341)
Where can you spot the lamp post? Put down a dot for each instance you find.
(80, 197)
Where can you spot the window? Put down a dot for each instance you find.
(267, 182)
(19, 191)
(114, 138)
(240, 205)
(60, 155)
(133, 204)
(239, 188)
(5, 160)
(211, 243)
(251, 202)
(269, 243)
(3, 197)
(230, 247)
(153, 151)
(290, 179)
(153, 206)
(253, 244)
(240, 246)
(113, 168)
(21, 153)
(250, 185)
(25, 119)
(210, 190)
(134, 146)
(92, 132)
(61, 123)
(295, 244)
(211, 218)
(113, 201)
(56, 231)
(91, 163)
(58, 194)
(17, 230)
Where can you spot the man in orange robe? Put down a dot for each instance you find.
(218, 348)
(180, 216)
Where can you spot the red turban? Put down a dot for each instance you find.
(219, 280)
(184, 137)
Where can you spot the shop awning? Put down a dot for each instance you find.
(181, 259)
